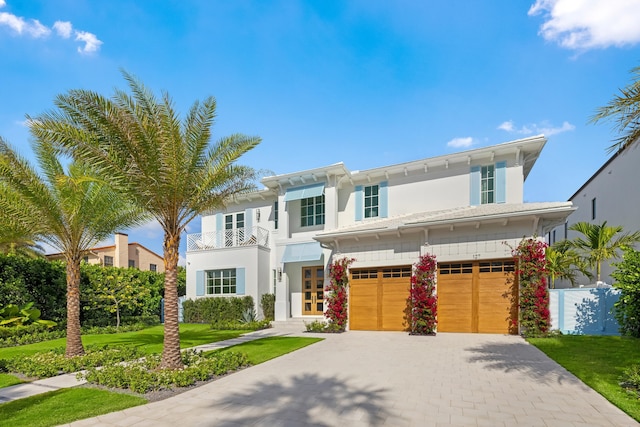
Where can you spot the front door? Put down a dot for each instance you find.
(312, 290)
(233, 229)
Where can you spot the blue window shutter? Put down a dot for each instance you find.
(239, 281)
(359, 203)
(501, 182)
(219, 230)
(384, 199)
(248, 221)
(474, 191)
(200, 283)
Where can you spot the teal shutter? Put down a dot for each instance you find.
(474, 190)
(239, 281)
(219, 230)
(501, 182)
(248, 223)
(359, 203)
(383, 195)
(200, 283)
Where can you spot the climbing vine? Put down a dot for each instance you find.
(336, 294)
(422, 303)
(535, 318)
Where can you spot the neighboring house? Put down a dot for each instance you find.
(466, 208)
(122, 254)
(609, 195)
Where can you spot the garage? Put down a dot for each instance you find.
(378, 297)
(477, 296)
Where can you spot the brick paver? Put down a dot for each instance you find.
(389, 379)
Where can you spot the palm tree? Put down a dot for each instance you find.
(624, 110)
(599, 243)
(564, 263)
(165, 165)
(15, 239)
(69, 210)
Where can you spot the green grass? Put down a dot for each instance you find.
(269, 348)
(64, 406)
(148, 340)
(599, 362)
(7, 379)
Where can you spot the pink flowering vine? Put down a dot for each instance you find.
(531, 261)
(422, 303)
(336, 294)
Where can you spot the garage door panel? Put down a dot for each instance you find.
(363, 295)
(454, 303)
(394, 301)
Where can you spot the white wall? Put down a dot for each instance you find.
(617, 195)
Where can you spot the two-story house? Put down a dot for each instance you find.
(465, 208)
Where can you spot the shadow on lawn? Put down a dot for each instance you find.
(521, 357)
(309, 399)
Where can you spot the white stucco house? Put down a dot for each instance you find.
(611, 194)
(464, 208)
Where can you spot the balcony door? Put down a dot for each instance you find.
(312, 291)
(233, 229)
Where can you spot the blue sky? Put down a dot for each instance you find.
(366, 82)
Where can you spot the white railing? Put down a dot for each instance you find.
(228, 239)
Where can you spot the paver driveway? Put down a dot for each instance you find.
(389, 378)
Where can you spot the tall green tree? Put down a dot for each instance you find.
(624, 111)
(563, 263)
(166, 164)
(600, 242)
(65, 207)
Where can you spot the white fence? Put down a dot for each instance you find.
(585, 311)
(228, 239)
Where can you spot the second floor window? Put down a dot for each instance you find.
(371, 201)
(132, 263)
(153, 267)
(312, 211)
(275, 215)
(108, 261)
(487, 185)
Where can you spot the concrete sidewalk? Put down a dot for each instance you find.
(388, 378)
(20, 391)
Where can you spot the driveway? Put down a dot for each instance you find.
(389, 378)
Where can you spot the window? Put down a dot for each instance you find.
(132, 263)
(230, 226)
(312, 211)
(487, 185)
(371, 201)
(221, 282)
(85, 259)
(593, 208)
(153, 267)
(553, 240)
(566, 230)
(275, 215)
(108, 261)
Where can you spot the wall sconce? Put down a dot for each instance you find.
(279, 274)
(257, 215)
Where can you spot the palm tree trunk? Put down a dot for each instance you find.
(74, 341)
(171, 357)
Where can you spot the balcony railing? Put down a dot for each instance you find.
(228, 239)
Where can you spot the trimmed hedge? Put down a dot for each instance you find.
(268, 303)
(216, 309)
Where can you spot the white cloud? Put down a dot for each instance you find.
(91, 42)
(538, 128)
(463, 142)
(63, 28)
(585, 24)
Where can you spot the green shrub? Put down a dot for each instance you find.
(52, 363)
(627, 279)
(268, 303)
(320, 326)
(143, 375)
(15, 315)
(216, 309)
(631, 380)
(234, 325)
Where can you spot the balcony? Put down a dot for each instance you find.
(240, 237)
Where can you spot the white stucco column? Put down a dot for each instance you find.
(282, 308)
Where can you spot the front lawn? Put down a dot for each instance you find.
(599, 362)
(64, 406)
(7, 380)
(264, 349)
(148, 340)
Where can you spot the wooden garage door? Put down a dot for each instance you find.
(378, 297)
(478, 296)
